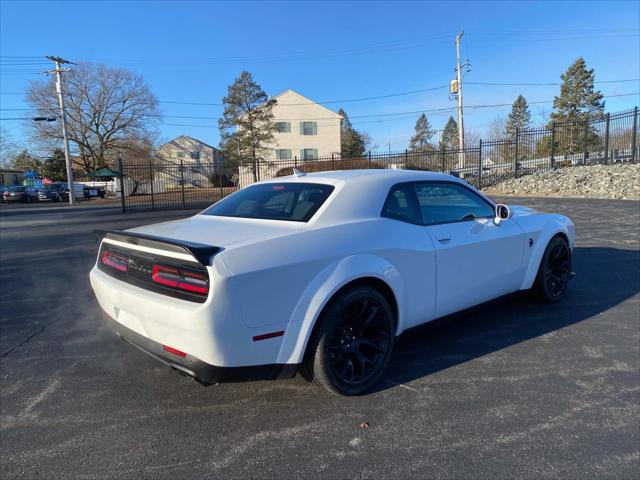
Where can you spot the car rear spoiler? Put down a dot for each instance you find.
(201, 252)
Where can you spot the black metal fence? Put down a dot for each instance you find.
(611, 139)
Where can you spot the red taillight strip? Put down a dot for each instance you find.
(266, 336)
(180, 279)
(175, 351)
(113, 260)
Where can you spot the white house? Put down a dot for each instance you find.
(304, 129)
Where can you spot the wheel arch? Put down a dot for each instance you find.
(361, 270)
(547, 234)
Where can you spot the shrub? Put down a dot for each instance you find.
(220, 180)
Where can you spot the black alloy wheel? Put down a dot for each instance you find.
(554, 272)
(357, 345)
(353, 342)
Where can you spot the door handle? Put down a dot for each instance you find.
(443, 237)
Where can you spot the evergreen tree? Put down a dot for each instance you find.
(25, 161)
(421, 140)
(449, 139)
(352, 142)
(248, 110)
(578, 103)
(55, 168)
(578, 100)
(519, 118)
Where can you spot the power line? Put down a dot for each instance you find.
(349, 100)
(386, 114)
(550, 83)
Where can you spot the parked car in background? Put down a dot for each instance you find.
(21, 194)
(321, 272)
(57, 192)
(2, 190)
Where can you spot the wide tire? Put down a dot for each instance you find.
(352, 344)
(554, 273)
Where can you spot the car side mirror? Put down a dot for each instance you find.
(502, 213)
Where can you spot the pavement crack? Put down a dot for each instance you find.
(30, 337)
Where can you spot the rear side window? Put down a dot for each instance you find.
(295, 202)
(400, 205)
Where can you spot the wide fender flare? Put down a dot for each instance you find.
(550, 229)
(322, 288)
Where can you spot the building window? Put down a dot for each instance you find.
(283, 127)
(308, 128)
(195, 155)
(283, 154)
(309, 153)
(180, 154)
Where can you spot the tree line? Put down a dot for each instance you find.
(578, 102)
(113, 113)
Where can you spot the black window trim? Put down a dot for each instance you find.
(306, 219)
(416, 203)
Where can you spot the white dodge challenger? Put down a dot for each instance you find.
(320, 273)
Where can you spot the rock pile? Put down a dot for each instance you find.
(621, 181)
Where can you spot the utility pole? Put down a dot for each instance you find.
(58, 71)
(459, 93)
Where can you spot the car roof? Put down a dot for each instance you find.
(372, 175)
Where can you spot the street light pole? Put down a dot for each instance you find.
(58, 61)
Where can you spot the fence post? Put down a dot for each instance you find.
(121, 179)
(153, 201)
(606, 138)
(515, 157)
(295, 161)
(480, 166)
(406, 158)
(217, 167)
(182, 183)
(634, 141)
(553, 145)
(586, 143)
(443, 157)
(369, 158)
(333, 163)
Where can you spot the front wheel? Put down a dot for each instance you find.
(554, 272)
(352, 345)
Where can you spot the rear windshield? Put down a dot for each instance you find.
(295, 202)
(17, 189)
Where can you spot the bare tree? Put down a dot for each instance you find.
(8, 147)
(498, 128)
(107, 109)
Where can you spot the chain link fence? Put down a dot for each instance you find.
(156, 185)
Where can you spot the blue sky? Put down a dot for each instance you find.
(191, 51)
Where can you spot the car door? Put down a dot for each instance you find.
(476, 260)
(413, 254)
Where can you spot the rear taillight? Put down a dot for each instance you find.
(114, 260)
(180, 279)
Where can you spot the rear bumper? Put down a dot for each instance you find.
(202, 372)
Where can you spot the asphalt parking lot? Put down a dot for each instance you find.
(508, 389)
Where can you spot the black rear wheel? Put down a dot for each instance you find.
(554, 272)
(353, 342)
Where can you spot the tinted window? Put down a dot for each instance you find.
(17, 189)
(274, 201)
(400, 204)
(447, 202)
